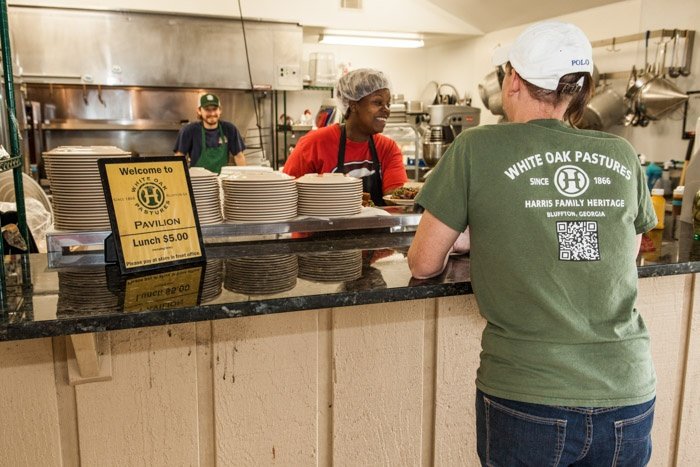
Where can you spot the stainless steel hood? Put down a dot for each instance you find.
(53, 45)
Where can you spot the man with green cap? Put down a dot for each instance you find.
(211, 142)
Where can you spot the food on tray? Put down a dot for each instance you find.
(367, 200)
(405, 193)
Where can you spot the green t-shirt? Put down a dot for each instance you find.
(553, 213)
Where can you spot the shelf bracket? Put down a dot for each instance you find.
(89, 358)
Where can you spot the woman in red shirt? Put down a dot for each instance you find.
(356, 148)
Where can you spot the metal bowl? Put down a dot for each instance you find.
(433, 151)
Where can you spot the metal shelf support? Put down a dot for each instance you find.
(14, 140)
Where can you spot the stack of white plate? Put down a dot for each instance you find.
(259, 196)
(331, 266)
(205, 187)
(329, 195)
(232, 169)
(31, 190)
(261, 275)
(213, 277)
(85, 290)
(77, 196)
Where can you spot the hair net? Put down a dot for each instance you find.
(357, 84)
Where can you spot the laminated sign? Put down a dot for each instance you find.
(152, 212)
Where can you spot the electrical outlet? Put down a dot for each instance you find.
(288, 75)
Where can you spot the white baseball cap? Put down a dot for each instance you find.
(545, 52)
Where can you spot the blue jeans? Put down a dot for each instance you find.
(511, 433)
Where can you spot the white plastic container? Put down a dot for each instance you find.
(322, 69)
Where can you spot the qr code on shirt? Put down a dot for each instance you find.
(578, 241)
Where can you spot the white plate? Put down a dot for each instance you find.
(398, 201)
(328, 179)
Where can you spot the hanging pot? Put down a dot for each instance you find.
(491, 86)
(605, 109)
(658, 97)
(496, 104)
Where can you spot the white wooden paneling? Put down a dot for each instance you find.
(377, 384)
(266, 389)
(147, 413)
(689, 430)
(459, 327)
(663, 303)
(29, 426)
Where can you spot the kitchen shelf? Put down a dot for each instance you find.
(111, 125)
(319, 88)
(687, 34)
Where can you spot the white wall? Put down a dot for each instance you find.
(469, 61)
(462, 63)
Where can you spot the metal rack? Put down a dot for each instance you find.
(687, 34)
(15, 161)
(416, 139)
(283, 128)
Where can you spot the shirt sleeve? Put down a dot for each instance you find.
(183, 143)
(235, 141)
(300, 161)
(446, 191)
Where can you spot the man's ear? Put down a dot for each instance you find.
(516, 83)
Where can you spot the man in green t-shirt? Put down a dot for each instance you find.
(555, 217)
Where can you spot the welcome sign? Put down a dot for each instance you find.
(152, 212)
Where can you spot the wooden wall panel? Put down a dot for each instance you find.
(266, 389)
(689, 430)
(664, 304)
(378, 384)
(383, 384)
(459, 327)
(147, 413)
(29, 424)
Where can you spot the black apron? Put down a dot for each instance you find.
(371, 184)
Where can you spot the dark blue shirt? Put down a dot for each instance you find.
(189, 139)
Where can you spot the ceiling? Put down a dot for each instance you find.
(494, 15)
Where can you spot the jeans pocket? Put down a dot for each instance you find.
(518, 438)
(633, 439)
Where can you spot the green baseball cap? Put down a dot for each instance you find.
(209, 99)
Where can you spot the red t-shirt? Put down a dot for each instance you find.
(317, 152)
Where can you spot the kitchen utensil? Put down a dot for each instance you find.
(414, 107)
(673, 70)
(658, 97)
(433, 151)
(687, 52)
(491, 86)
(496, 104)
(605, 109)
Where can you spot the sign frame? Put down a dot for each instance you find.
(114, 220)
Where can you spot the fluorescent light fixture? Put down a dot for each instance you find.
(371, 39)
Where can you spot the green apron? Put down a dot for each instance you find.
(213, 158)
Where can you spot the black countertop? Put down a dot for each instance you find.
(255, 278)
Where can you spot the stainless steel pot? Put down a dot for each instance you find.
(489, 88)
(658, 97)
(605, 109)
(433, 151)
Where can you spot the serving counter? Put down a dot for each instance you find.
(305, 363)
